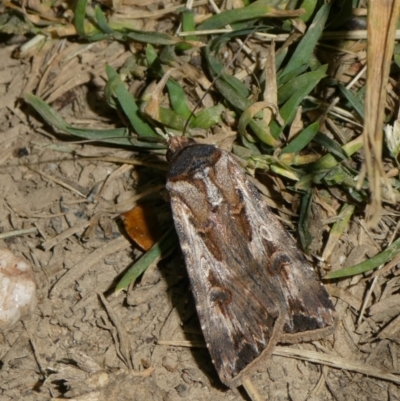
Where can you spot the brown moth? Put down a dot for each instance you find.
(252, 286)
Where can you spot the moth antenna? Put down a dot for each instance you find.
(215, 79)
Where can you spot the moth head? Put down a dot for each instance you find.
(176, 144)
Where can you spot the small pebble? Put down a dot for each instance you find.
(17, 289)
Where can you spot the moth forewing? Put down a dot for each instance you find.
(252, 286)
(310, 312)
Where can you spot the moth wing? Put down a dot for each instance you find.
(310, 313)
(251, 284)
(239, 311)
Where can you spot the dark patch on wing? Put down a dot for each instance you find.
(279, 262)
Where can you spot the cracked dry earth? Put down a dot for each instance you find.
(83, 342)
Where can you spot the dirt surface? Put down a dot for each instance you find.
(84, 342)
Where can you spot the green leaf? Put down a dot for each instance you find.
(283, 80)
(304, 217)
(217, 69)
(309, 6)
(256, 10)
(244, 32)
(155, 38)
(288, 110)
(241, 103)
(188, 25)
(205, 119)
(167, 243)
(177, 97)
(333, 147)
(152, 58)
(79, 17)
(119, 136)
(102, 21)
(300, 83)
(369, 264)
(340, 225)
(47, 112)
(128, 105)
(171, 119)
(302, 139)
(259, 127)
(358, 106)
(208, 117)
(338, 175)
(232, 96)
(305, 48)
(82, 27)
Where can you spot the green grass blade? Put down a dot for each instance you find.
(242, 103)
(177, 98)
(47, 112)
(117, 136)
(309, 7)
(341, 224)
(155, 38)
(288, 110)
(129, 105)
(205, 119)
(338, 229)
(302, 139)
(259, 127)
(305, 49)
(232, 96)
(188, 25)
(333, 147)
(328, 161)
(167, 243)
(304, 217)
(217, 69)
(153, 59)
(357, 105)
(82, 26)
(256, 10)
(208, 117)
(171, 119)
(102, 21)
(300, 83)
(285, 90)
(79, 17)
(372, 263)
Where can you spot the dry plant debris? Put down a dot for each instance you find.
(97, 149)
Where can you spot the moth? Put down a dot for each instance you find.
(252, 286)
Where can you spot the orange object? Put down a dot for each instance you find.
(142, 226)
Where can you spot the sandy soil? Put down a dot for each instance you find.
(85, 343)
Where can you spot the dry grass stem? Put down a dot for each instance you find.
(335, 362)
(381, 33)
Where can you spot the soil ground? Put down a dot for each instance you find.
(84, 342)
